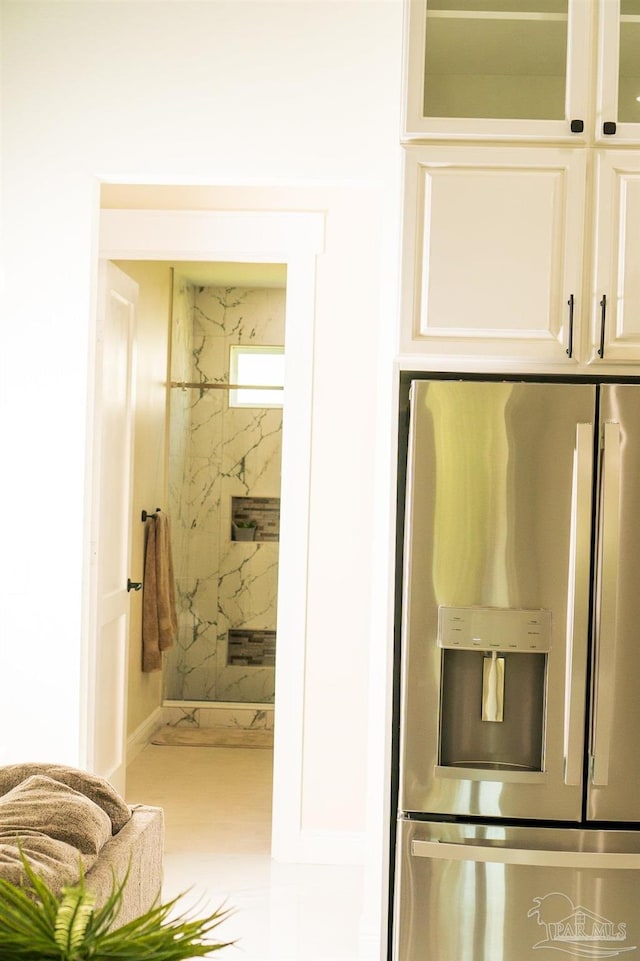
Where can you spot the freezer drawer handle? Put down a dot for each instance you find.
(460, 851)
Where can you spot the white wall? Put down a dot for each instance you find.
(283, 93)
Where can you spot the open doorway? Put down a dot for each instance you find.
(259, 238)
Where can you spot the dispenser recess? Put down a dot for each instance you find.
(493, 683)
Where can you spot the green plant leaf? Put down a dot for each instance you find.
(38, 925)
(72, 919)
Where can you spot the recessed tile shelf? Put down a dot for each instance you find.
(251, 648)
(261, 512)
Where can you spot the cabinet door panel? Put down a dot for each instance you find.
(496, 70)
(617, 256)
(617, 108)
(489, 268)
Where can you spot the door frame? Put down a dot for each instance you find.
(295, 239)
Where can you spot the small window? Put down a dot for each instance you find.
(261, 369)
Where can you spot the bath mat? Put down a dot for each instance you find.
(213, 737)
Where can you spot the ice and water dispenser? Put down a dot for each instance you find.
(493, 682)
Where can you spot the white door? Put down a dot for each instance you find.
(112, 472)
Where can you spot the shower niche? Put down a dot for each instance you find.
(224, 478)
(251, 648)
(257, 516)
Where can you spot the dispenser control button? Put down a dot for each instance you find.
(492, 628)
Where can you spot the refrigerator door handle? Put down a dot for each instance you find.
(497, 854)
(578, 603)
(607, 624)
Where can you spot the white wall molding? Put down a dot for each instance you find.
(268, 236)
(325, 847)
(143, 734)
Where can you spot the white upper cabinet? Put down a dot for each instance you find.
(509, 257)
(561, 70)
(494, 252)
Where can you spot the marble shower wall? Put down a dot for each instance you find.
(217, 453)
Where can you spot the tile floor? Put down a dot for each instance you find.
(217, 804)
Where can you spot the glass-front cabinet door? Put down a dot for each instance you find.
(498, 68)
(618, 108)
(523, 69)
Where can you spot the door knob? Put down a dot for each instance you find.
(133, 585)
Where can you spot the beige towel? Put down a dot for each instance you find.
(159, 621)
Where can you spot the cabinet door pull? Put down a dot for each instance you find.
(609, 127)
(570, 339)
(603, 315)
(577, 126)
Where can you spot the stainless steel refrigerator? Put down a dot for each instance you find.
(518, 781)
